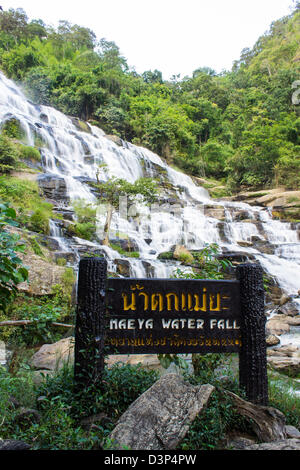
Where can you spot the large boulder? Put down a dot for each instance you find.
(42, 275)
(289, 308)
(53, 356)
(277, 327)
(160, 418)
(123, 267)
(285, 359)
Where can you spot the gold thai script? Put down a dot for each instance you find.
(172, 301)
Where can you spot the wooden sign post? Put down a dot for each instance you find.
(171, 316)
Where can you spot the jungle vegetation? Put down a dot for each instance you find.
(240, 126)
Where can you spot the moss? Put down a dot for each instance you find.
(166, 255)
(290, 215)
(217, 193)
(127, 254)
(83, 126)
(61, 261)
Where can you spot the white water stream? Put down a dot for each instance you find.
(75, 155)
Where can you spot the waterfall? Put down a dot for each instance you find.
(72, 155)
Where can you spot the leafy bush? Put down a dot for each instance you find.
(85, 230)
(283, 397)
(85, 226)
(12, 128)
(9, 155)
(39, 220)
(40, 331)
(30, 153)
(32, 210)
(216, 419)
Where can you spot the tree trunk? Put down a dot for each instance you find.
(268, 423)
(107, 225)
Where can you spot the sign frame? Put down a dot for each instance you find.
(91, 330)
(172, 316)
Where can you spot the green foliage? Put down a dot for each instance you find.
(128, 254)
(85, 230)
(39, 220)
(23, 195)
(61, 408)
(36, 246)
(30, 153)
(85, 226)
(143, 189)
(239, 125)
(9, 155)
(12, 129)
(12, 271)
(42, 312)
(282, 396)
(68, 279)
(40, 331)
(217, 419)
(207, 264)
(109, 192)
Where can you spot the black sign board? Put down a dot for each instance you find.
(140, 316)
(172, 316)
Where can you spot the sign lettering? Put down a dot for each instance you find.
(171, 316)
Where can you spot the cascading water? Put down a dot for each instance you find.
(74, 155)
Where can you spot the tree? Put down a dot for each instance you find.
(110, 55)
(14, 23)
(12, 271)
(152, 77)
(37, 28)
(143, 190)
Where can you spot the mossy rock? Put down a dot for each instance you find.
(166, 255)
(81, 126)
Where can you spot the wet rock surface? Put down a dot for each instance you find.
(53, 187)
(285, 359)
(160, 417)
